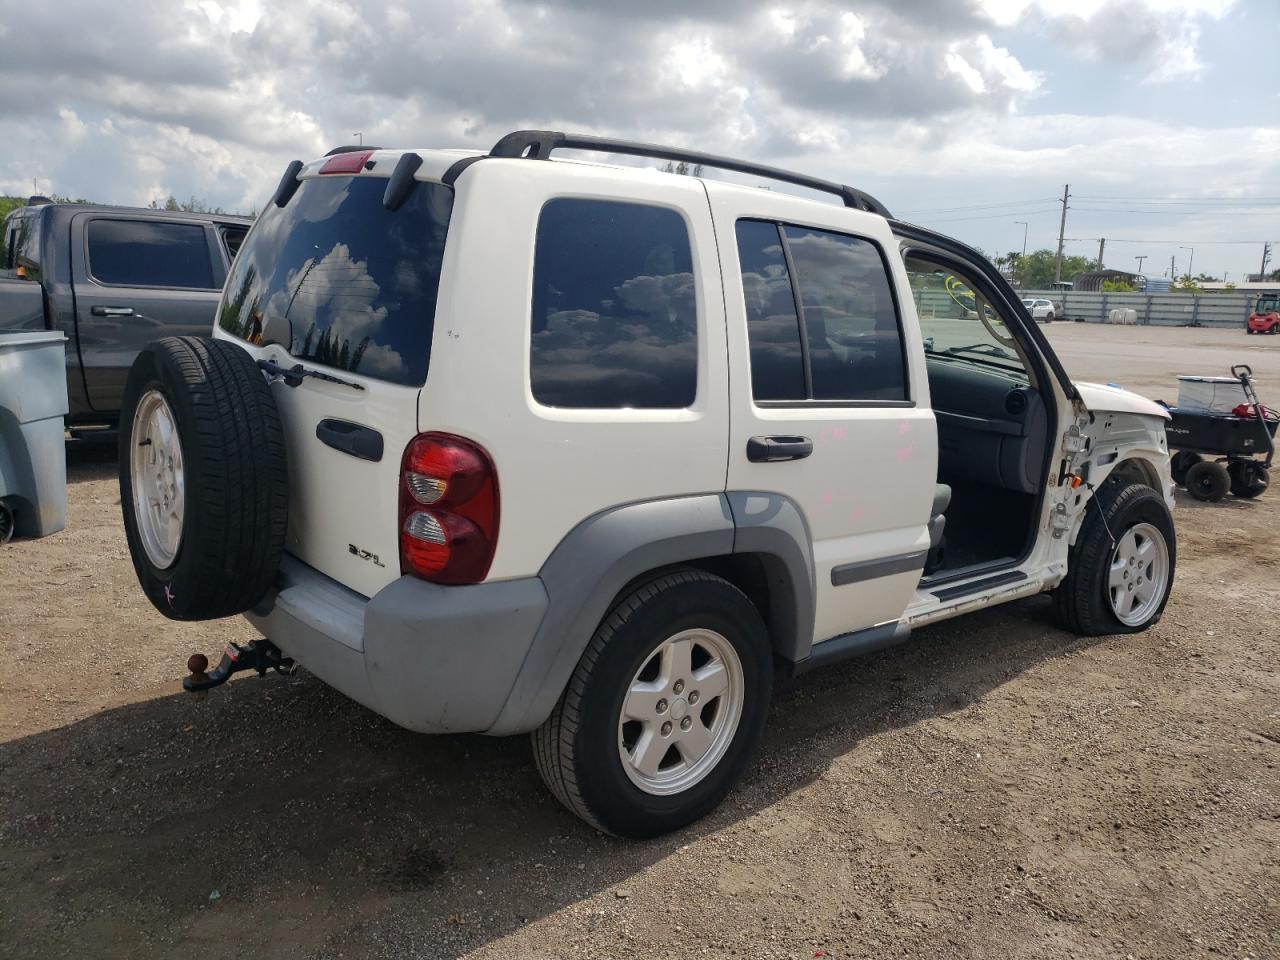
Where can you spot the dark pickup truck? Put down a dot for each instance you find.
(112, 279)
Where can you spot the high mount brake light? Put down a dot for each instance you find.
(347, 162)
(448, 509)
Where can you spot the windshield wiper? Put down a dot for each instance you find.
(293, 376)
(987, 349)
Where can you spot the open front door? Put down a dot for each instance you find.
(835, 414)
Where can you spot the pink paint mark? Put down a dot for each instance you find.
(840, 433)
(827, 498)
(904, 453)
(903, 428)
(856, 514)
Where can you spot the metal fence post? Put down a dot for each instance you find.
(1146, 321)
(1195, 310)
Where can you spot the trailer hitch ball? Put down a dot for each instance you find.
(259, 656)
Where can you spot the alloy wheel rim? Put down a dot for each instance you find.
(1138, 576)
(156, 473)
(680, 712)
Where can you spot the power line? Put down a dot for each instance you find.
(992, 216)
(1180, 213)
(1183, 199)
(1188, 242)
(985, 206)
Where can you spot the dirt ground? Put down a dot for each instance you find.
(994, 788)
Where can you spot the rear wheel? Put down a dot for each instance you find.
(664, 710)
(1208, 481)
(1182, 461)
(1249, 478)
(203, 480)
(1120, 570)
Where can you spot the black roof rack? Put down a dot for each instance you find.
(538, 144)
(351, 148)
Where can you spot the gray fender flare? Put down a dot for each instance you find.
(600, 556)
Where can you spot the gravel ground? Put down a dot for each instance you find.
(994, 788)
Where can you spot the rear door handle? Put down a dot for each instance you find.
(775, 449)
(111, 311)
(362, 442)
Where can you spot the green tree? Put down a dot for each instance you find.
(1035, 270)
(684, 169)
(1185, 284)
(1116, 286)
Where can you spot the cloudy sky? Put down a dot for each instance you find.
(967, 115)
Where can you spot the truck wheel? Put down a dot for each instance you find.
(1208, 481)
(203, 478)
(1120, 571)
(664, 710)
(1249, 478)
(1182, 461)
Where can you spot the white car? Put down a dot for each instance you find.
(495, 443)
(1040, 309)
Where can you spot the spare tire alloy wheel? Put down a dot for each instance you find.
(203, 477)
(1139, 574)
(159, 489)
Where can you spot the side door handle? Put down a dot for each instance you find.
(362, 442)
(775, 449)
(111, 311)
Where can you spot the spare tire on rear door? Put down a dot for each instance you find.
(203, 477)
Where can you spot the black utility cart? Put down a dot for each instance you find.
(1220, 450)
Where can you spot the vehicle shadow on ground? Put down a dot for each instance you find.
(92, 458)
(323, 828)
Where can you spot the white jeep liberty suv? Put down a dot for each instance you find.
(499, 443)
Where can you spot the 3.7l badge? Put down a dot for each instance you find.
(365, 555)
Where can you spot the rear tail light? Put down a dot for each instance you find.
(448, 509)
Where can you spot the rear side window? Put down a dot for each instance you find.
(614, 307)
(147, 253)
(337, 279)
(841, 328)
(232, 238)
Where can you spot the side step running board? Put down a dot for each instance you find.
(854, 644)
(977, 586)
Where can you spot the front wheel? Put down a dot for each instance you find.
(1120, 571)
(664, 710)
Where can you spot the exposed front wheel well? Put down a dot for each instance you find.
(1138, 470)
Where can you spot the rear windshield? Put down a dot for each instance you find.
(340, 281)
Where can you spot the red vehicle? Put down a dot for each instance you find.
(1266, 315)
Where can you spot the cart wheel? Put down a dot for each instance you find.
(1182, 462)
(1208, 481)
(1248, 478)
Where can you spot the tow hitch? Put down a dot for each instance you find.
(260, 655)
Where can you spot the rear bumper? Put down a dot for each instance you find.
(431, 658)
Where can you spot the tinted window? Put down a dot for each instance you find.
(338, 279)
(141, 253)
(853, 338)
(614, 312)
(773, 329)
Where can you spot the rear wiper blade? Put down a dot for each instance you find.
(293, 376)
